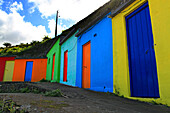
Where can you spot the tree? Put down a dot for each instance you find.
(6, 44)
(46, 37)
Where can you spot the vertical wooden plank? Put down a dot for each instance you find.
(154, 76)
(132, 57)
(86, 65)
(65, 65)
(52, 77)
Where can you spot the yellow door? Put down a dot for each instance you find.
(9, 68)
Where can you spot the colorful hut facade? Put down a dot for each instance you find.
(94, 57)
(68, 59)
(53, 63)
(30, 70)
(6, 68)
(140, 50)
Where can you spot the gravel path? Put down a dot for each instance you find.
(79, 100)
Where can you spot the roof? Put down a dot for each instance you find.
(93, 18)
(121, 8)
(40, 50)
(82, 23)
(62, 40)
(112, 6)
(37, 51)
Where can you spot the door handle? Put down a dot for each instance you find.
(153, 46)
(84, 66)
(147, 52)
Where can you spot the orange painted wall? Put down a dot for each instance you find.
(38, 72)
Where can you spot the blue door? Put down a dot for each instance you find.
(142, 63)
(28, 72)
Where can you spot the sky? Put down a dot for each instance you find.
(22, 21)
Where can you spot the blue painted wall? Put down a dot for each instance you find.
(101, 56)
(70, 45)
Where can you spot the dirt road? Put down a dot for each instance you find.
(79, 100)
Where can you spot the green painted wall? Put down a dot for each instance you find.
(56, 49)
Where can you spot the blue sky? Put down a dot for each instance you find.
(22, 21)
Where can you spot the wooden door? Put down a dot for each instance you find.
(142, 62)
(52, 77)
(65, 66)
(28, 72)
(86, 65)
(9, 68)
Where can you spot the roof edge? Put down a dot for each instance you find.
(68, 36)
(46, 52)
(9, 56)
(92, 23)
(120, 8)
(32, 58)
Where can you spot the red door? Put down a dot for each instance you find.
(52, 77)
(65, 65)
(86, 65)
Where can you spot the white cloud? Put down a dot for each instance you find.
(51, 26)
(68, 9)
(60, 27)
(15, 30)
(16, 7)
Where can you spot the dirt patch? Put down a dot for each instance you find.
(9, 87)
(77, 100)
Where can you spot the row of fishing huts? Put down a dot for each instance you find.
(122, 48)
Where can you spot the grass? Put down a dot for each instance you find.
(54, 93)
(58, 106)
(25, 90)
(55, 106)
(49, 104)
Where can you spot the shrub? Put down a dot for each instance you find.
(25, 90)
(54, 93)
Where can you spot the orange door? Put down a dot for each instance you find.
(86, 66)
(52, 77)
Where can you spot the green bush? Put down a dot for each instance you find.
(54, 93)
(25, 90)
(36, 91)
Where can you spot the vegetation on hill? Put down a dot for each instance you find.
(15, 50)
